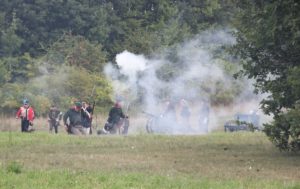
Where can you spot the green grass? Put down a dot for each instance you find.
(219, 160)
(80, 179)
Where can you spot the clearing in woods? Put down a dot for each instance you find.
(217, 160)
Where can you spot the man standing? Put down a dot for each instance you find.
(170, 111)
(26, 113)
(204, 116)
(169, 122)
(75, 117)
(115, 118)
(185, 113)
(54, 116)
(87, 117)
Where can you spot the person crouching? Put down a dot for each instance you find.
(75, 117)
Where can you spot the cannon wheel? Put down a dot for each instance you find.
(125, 126)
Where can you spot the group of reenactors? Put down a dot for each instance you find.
(185, 113)
(77, 120)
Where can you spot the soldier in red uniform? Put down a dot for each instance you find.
(26, 113)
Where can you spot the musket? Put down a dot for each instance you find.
(149, 114)
(93, 108)
(126, 123)
(127, 108)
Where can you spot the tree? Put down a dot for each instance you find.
(10, 42)
(268, 39)
(76, 51)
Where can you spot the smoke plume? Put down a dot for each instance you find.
(194, 74)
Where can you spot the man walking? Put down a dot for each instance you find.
(26, 113)
(54, 116)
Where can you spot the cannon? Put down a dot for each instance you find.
(161, 124)
(243, 122)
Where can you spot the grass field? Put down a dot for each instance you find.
(218, 160)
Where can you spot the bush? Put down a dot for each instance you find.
(14, 167)
(284, 132)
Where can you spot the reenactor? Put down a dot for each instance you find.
(73, 119)
(26, 113)
(54, 116)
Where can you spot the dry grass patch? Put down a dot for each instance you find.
(217, 156)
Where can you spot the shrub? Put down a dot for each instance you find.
(284, 132)
(14, 167)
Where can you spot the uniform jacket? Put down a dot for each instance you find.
(54, 114)
(25, 113)
(75, 117)
(115, 114)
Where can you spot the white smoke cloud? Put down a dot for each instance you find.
(198, 67)
(130, 64)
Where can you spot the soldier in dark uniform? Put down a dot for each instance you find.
(87, 117)
(75, 117)
(115, 118)
(54, 116)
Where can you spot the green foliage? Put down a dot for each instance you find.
(19, 69)
(293, 80)
(70, 70)
(60, 88)
(269, 42)
(284, 132)
(117, 25)
(250, 126)
(11, 96)
(4, 74)
(80, 86)
(64, 87)
(55, 51)
(10, 42)
(41, 105)
(76, 51)
(14, 167)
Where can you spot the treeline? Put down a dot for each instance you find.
(55, 51)
(268, 35)
(32, 26)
